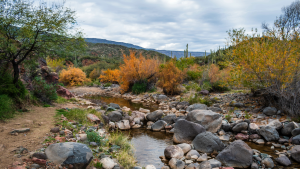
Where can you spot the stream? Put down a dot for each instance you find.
(149, 145)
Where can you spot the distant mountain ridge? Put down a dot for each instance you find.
(178, 54)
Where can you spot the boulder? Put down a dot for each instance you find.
(205, 165)
(237, 154)
(215, 109)
(63, 92)
(296, 132)
(93, 118)
(288, 128)
(186, 131)
(196, 106)
(275, 124)
(207, 142)
(115, 106)
(210, 120)
(215, 163)
(139, 115)
(123, 125)
(241, 136)
(182, 105)
(203, 157)
(191, 153)
(270, 111)
(115, 116)
(176, 164)
(160, 98)
(268, 162)
(295, 153)
(193, 166)
(107, 163)
(170, 119)
(154, 116)
(185, 147)
(77, 154)
(268, 133)
(283, 160)
(159, 125)
(173, 151)
(253, 127)
(226, 127)
(296, 140)
(240, 126)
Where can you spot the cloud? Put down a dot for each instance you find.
(171, 24)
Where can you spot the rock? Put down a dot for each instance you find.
(150, 167)
(210, 120)
(83, 137)
(38, 161)
(107, 163)
(54, 130)
(283, 160)
(288, 128)
(240, 126)
(154, 116)
(225, 137)
(296, 132)
(39, 155)
(139, 115)
(115, 116)
(165, 167)
(77, 154)
(204, 92)
(191, 153)
(161, 98)
(203, 157)
(193, 166)
(63, 92)
(226, 127)
(93, 144)
(296, 140)
(185, 147)
(159, 125)
(270, 111)
(241, 136)
(35, 166)
(170, 119)
(93, 118)
(254, 136)
(237, 154)
(233, 103)
(215, 109)
(182, 105)
(207, 142)
(295, 153)
(176, 164)
(123, 125)
(253, 127)
(282, 141)
(205, 165)
(268, 162)
(144, 110)
(215, 163)
(268, 133)
(173, 151)
(21, 130)
(186, 131)
(254, 166)
(115, 106)
(275, 124)
(260, 141)
(196, 106)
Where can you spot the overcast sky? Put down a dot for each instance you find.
(171, 24)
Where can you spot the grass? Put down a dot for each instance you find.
(94, 137)
(6, 107)
(199, 99)
(49, 140)
(229, 116)
(62, 100)
(247, 115)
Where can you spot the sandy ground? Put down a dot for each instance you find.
(39, 119)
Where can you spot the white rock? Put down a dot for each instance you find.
(107, 163)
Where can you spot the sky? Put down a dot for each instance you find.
(171, 24)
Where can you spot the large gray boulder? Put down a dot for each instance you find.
(196, 106)
(170, 119)
(210, 120)
(182, 105)
(270, 111)
(283, 160)
(161, 98)
(295, 152)
(154, 116)
(268, 162)
(296, 132)
(237, 154)
(276, 124)
(296, 140)
(136, 114)
(173, 151)
(269, 133)
(123, 125)
(159, 125)
(288, 128)
(186, 131)
(240, 126)
(113, 105)
(77, 154)
(207, 142)
(115, 116)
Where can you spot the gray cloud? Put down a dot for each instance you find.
(171, 24)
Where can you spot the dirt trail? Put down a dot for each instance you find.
(39, 119)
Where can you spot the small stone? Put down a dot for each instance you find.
(55, 130)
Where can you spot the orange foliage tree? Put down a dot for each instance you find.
(73, 77)
(109, 75)
(217, 77)
(170, 77)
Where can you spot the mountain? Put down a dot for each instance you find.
(178, 54)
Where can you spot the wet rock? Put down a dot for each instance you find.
(176, 164)
(196, 106)
(185, 147)
(186, 131)
(193, 166)
(275, 124)
(115, 106)
(154, 116)
(253, 127)
(240, 126)
(241, 136)
(205, 165)
(54, 130)
(283, 160)
(191, 153)
(123, 125)
(170, 119)
(296, 132)
(207, 142)
(268, 162)
(288, 128)
(77, 154)
(159, 125)
(270, 111)
(173, 151)
(210, 120)
(115, 116)
(296, 140)
(268, 133)
(107, 163)
(215, 163)
(295, 153)
(237, 154)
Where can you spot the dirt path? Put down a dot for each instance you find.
(39, 119)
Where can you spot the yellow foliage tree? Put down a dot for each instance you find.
(170, 77)
(73, 77)
(55, 64)
(109, 75)
(94, 74)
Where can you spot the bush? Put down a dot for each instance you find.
(193, 86)
(109, 75)
(43, 91)
(220, 86)
(6, 107)
(73, 77)
(56, 64)
(93, 136)
(99, 66)
(95, 74)
(139, 87)
(198, 99)
(193, 75)
(107, 84)
(206, 86)
(7, 86)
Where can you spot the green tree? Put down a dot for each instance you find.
(30, 31)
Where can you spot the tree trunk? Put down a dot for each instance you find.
(16, 72)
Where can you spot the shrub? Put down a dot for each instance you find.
(93, 136)
(94, 74)
(7, 86)
(73, 76)
(6, 107)
(193, 86)
(199, 99)
(107, 84)
(61, 100)
(139, 87)
(219, 79)
(170, 77)
(56, 64)
(43, 91)
(194, 72)
(109, 75)
(99, 66)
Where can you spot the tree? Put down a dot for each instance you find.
(29, 31)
